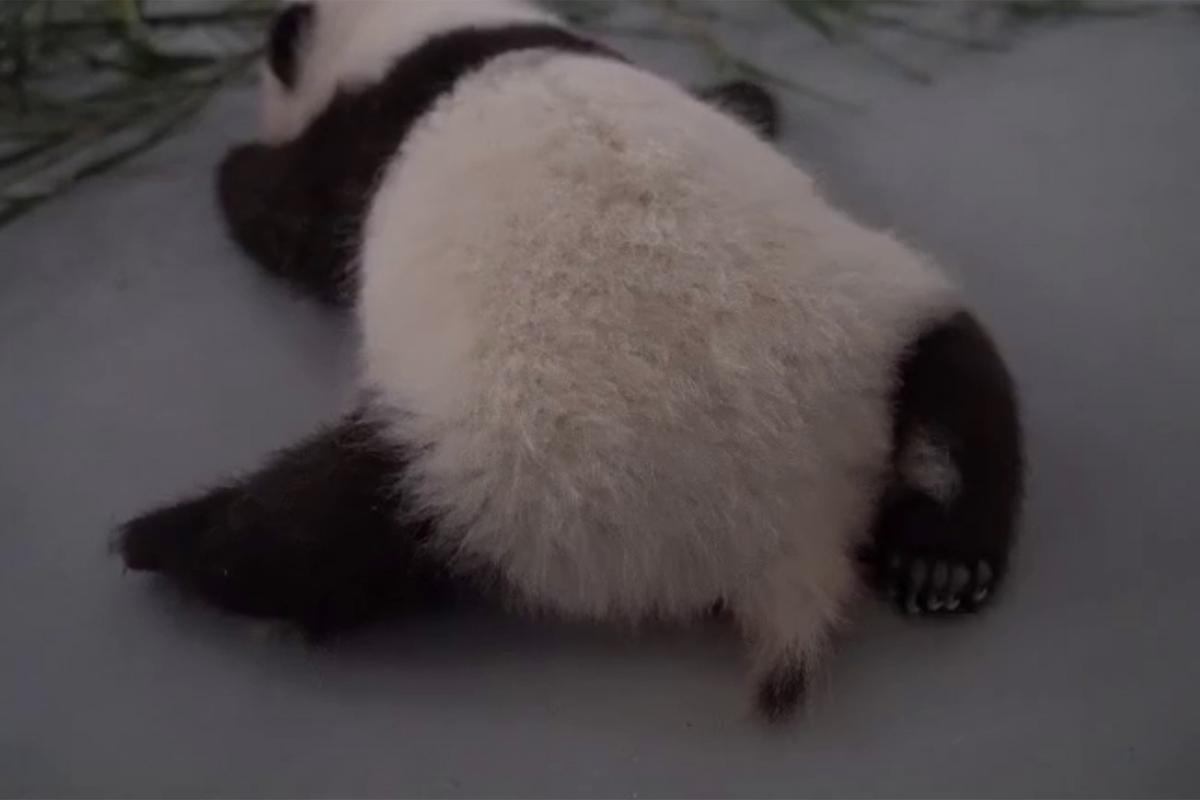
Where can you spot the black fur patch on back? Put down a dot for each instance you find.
(946, 555)
(298, 208)
(287, 34)
(320, 535)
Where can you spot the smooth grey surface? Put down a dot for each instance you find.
(141, 357)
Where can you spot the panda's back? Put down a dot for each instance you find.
(636, 353)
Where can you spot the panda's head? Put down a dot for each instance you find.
(315, 49)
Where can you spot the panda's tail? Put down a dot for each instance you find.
(945, 523)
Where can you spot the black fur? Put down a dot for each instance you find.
(320, 536)
(781, 690)
(279, 213)
(288, 33)
(749, 102)
(948, 558)
(297, 208)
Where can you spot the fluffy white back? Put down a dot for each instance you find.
(355, 42)
(643, 362)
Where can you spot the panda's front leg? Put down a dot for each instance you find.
(290, 217)
(319, 535)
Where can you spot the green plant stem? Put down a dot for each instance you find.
(150, 21)
(920, 32)
(157, 130)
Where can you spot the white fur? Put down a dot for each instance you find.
(643, 363)
(926, 464)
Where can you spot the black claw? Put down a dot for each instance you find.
(981, 584)
(918, 585)
(960, 576)
(918, 572)
(940, 577)
(935, 600)
(924, 583)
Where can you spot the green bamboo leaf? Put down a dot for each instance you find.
(813, 13)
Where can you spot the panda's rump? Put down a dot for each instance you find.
(634, 373)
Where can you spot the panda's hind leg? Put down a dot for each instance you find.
(318, 536)
(945, 524)
(789, 614)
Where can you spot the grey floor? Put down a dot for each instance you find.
(141, 356)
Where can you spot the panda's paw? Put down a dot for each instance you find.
(221, 547)
(926, 584)
(165, 539)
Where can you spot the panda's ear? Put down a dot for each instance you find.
(288, 34)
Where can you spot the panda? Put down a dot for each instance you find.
(620, 360)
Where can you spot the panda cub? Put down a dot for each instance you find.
(620, 359)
